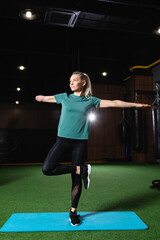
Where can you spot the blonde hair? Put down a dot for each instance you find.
(87, 88)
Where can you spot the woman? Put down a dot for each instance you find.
(73, 133)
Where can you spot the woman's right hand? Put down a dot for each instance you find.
(49, 99)
(40, 98)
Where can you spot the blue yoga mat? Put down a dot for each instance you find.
(31, 222)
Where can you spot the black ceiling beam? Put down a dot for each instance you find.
(132, 4)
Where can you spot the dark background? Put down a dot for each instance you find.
(109, 36)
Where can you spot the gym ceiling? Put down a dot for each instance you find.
(63, 36)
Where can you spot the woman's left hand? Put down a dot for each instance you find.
(141, 105)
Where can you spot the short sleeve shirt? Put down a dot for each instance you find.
(74, 122)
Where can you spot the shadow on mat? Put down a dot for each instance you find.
(129, 204)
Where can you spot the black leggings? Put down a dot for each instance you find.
(52, 166)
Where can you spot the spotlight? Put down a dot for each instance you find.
(92, 117)
(18, 89)
(104, 74)
(156, 31)
(17, 102)
(21, 68)
(28, 14)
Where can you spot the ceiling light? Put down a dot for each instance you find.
(21, 67)
(104, 74)
(17, 102)
(157, 31)
(28, 14)
(18, 89)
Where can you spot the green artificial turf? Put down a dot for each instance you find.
(114, 187)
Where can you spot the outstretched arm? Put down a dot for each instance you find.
(120, 104)
(49, 99)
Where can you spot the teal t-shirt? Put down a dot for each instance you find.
(74, 122)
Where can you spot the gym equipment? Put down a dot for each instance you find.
(156, 131)
(124, 129)
(137, 128)
(31, 222)
(155, 184)
(156, 123)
